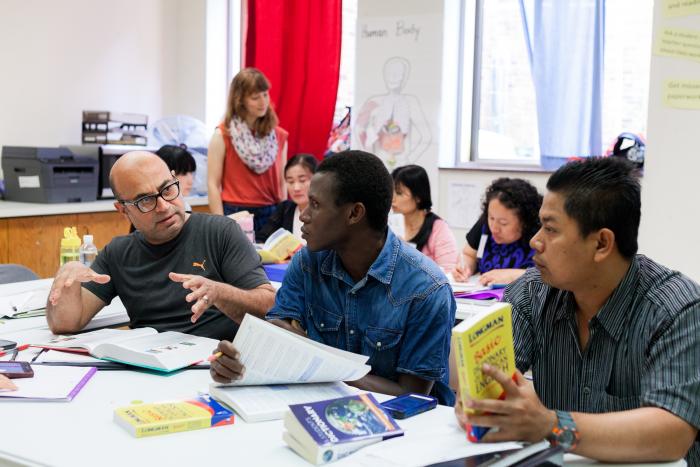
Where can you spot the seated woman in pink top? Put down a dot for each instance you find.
(431, 235)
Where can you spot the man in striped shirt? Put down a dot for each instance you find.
(612, 338)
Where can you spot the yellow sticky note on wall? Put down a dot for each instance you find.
(681, 7)
(679, 43)
(682, 94)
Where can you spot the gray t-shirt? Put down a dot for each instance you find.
(210, 246)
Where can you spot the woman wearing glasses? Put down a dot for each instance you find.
(498, 245)
(247, 152)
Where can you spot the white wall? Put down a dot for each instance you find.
(670, 214)
(62, 57)
(144, 56)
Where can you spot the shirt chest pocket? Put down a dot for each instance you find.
(382, 345)
(326, 326)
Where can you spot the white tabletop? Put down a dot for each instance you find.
(82, 432)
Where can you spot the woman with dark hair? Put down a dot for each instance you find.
(297, 176)
(498, 246)
(426, 230)
(248, 151)
(181, 162)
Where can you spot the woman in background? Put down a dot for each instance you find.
(181, 162)
(422, 227)
(247, 152)
(297, 176)
(498, 245)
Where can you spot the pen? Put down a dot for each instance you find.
(499, 286)
(15, 350)
(213, 357)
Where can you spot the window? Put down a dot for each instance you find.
(503, 103)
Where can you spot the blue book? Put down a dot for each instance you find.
(329, 430)
(275, 272)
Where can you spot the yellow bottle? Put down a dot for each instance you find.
(70, 246)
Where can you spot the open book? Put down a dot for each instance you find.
(143, 347)
(25, 304)
(277, 362)
(272, 355)
(281, 245)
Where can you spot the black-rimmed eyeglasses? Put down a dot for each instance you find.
(149, 202)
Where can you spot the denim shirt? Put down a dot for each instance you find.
(400, 314)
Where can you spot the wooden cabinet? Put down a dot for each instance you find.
(35, 241)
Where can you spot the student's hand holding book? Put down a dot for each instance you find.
(226, 367)
(520, 417)
(73, 273)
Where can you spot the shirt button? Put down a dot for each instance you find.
(352, 331)
(586, 390)
(321, 324)
(379, 344)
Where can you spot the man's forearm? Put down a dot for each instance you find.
(67, 314)
(645, 434)
(235, 302)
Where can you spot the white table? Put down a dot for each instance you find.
(15, 329)
(82, 433)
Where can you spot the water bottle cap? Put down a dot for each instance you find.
(87, 238)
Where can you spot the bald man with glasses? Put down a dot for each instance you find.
(192, 273)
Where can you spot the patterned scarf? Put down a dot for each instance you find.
(257, 153)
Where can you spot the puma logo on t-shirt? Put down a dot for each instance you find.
(199, 265)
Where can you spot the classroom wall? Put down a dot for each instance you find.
(60, 58)
(670, 213)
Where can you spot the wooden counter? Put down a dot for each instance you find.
(30, 233)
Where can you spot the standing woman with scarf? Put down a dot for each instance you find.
(248, 152)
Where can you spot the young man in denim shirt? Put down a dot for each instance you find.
(358, 287)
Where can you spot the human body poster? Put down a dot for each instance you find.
(398, 82)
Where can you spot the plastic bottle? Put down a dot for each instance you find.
(70, 246)
(88, 251)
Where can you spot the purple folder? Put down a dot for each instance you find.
(492, 294)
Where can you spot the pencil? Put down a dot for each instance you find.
(213, 357)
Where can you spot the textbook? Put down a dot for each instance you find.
(484, 338)
(171, 417)
(25, 304)
(142, 347)
(329, 430)
(271, 402)
(280, 246)
(272, 355)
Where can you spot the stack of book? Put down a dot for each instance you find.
(103, 127)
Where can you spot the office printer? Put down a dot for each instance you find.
(48, 175)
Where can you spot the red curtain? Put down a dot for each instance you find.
(296, 44)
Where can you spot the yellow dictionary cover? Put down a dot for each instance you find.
(170, 417)
(484, 338)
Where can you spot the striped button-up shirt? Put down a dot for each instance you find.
(643, 348)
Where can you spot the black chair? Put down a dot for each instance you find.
(15, 273)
